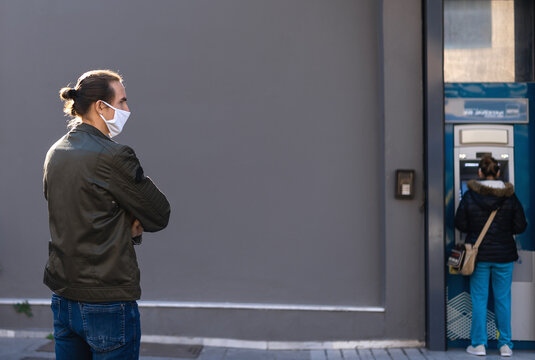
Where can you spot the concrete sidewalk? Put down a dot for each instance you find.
(18, 348)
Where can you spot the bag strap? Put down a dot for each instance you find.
(485, 229)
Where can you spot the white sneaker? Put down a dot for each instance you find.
(505, 350)
(479, 350)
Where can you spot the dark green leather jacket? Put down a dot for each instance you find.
(95, 188)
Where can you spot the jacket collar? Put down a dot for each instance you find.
(90, 129)
(480, 188)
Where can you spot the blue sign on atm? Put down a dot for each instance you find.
(463, 110)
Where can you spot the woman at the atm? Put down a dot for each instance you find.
(497, 253)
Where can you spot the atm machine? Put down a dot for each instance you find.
(471, 143)
(489, 119)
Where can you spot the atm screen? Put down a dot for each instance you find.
(464, 187)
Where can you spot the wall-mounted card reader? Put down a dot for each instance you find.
(404, 184)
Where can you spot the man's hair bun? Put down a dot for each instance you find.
(67, 93)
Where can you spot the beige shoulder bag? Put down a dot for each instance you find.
(470, 253)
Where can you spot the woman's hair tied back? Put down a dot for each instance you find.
(489, 166)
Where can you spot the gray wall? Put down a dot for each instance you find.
(274, 128)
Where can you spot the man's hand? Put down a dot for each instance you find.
(137, 229)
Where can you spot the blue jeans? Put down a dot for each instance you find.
(501, 275)
(98, 331)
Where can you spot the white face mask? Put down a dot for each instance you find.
(115, 125)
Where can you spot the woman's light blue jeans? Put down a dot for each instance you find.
(501, 276)
(102, 331)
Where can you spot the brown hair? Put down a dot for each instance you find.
(92, 86)
(489, 166)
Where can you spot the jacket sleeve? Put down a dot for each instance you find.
(136, 193)
(519, 219)
(462, 222)
(45, 184)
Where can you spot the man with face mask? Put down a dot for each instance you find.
(99, 203)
